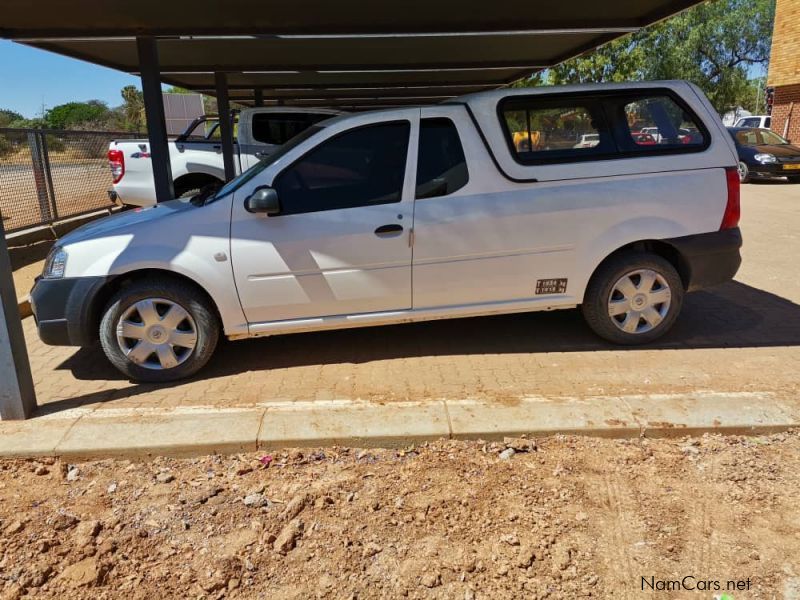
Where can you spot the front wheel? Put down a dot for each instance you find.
(159, 330)
(633, 298)
(744, 172)
(794, 178)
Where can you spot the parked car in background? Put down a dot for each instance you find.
(643, 139)
(760, 121)
(196, 154)
(764, 154)
(588, 140)
(329, 231)
(652, 132)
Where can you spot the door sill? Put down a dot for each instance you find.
(266, 328)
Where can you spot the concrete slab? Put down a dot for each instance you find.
(182, 432)
(698, 412)
(598, 416)
(35, 437)
(349, 423)
(113, 432)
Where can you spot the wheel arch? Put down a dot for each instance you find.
(116, 283)
(191, 180)
(658, 247)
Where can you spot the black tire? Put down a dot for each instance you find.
(744, 172)
(794, 179)
(595, 305)
(191, 187)
(187, 191)
(205, 325)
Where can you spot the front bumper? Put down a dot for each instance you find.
(709, 258)
(64, 310)
(772, 170)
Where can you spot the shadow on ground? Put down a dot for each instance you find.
(733, 315)
(22, 256)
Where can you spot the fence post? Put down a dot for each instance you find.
(39, 177)
(49, 177)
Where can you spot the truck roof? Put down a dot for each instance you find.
(565, 89)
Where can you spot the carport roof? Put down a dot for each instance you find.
(350, 53)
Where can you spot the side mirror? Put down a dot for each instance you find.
(263, 200)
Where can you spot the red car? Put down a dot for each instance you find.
(643, 139)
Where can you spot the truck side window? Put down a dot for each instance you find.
(441, 165)
(541, 130)
(360, 167)
(279, 128)
(657, 123)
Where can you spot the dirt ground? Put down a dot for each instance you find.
(563, 517)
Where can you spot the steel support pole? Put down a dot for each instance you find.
(147, 48)
(225, 124)
(259, 96)
(17, 397)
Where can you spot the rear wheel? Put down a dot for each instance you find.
(159, 330)
(794, 178)
(191, 186)
(744, 172)
(633, 298)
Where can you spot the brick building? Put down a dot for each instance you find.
(784, 70)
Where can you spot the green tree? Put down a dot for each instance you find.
(132, 109)
(9, 116)
(72, 115)
(713, 45)
(620, 60)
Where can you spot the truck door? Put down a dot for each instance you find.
(340, 244)
(475, 234)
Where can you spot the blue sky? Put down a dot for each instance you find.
(29, 76)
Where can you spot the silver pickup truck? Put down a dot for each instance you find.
(196, 154)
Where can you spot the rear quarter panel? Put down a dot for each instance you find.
(563, 220)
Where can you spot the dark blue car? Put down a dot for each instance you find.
(764, 154)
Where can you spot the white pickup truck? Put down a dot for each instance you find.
(415, 214)
(196, 154)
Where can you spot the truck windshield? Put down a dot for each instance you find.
(237, 182)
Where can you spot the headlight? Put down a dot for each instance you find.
(55, 264)
(765, 158)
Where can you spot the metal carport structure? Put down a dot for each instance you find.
(352, 54)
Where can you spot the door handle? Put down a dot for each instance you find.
(386, 231)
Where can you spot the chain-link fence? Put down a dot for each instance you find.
(48, 175)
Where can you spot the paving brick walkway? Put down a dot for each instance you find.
(742, 336)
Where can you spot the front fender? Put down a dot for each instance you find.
(193, 242)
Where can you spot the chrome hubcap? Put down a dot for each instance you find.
(639, 301)
(155, 333)
(742, 170)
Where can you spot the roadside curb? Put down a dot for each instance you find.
(84, 433)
